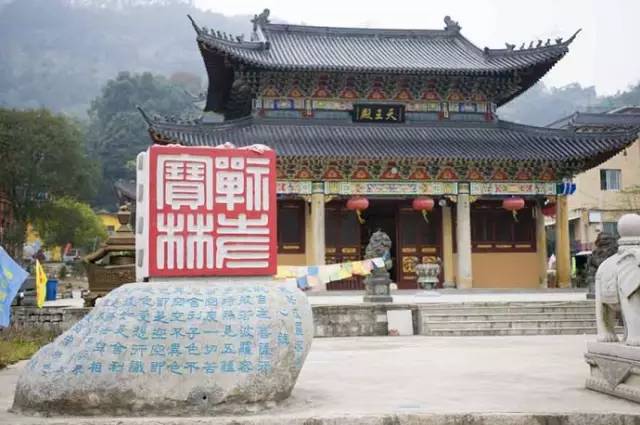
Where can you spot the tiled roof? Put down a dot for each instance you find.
(610, 121)
(298, 47)
(451, 140)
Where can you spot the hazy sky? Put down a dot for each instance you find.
(606, 52)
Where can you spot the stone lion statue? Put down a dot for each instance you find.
(606, 245)
(618, 285)
(379, 246)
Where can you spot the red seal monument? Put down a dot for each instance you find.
(206, 329)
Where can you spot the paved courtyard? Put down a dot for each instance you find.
(418, 297)
(418, 380)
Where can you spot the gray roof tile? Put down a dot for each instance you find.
(460, 140)
(297, 47)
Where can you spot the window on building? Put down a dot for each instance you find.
(610, 179)
(291, 227)
(494, 229)
(610, 227)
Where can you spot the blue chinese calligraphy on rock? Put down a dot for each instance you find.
(217, 338)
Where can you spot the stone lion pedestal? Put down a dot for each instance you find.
(614, 369)
(377, 284)
(615, 365)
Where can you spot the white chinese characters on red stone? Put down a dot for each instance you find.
(211, 211)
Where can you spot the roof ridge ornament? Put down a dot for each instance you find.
(451, 25)
(573, 37)
(195, 26)
(220, 35)
(144, 115)
(261, 19)
(258, 22)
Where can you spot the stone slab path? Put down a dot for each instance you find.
(419, 380)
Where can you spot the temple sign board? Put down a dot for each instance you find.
(206, 211)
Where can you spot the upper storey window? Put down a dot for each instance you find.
(610, 179)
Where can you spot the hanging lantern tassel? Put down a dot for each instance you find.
(424, 215)
(358, 204)
(424, 205)
(513, 204)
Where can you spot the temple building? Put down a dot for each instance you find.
(397, 130)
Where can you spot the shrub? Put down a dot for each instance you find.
(20, 344)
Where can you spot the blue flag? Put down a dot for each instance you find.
(11, 278)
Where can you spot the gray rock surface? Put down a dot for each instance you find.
(175, 348)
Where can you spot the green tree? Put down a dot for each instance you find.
(67, 220)
(118, 132)
(42, 157)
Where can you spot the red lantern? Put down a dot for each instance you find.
(423, 204)
(549, 210)
(359, 204)
(513, 204)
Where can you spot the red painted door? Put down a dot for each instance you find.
(342, 240)
(418, 241)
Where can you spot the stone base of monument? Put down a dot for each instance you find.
(377, 287)
(614, 369)
(187, 347)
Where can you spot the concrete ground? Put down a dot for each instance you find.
(419, 297)
(419, 380)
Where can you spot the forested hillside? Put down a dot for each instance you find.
(59, 53)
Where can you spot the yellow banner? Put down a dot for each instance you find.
(41, 284)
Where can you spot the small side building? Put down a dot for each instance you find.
(606, 192)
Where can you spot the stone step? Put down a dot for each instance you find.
(512, 309)
(509, 324)
(509, 303)
(428, 317)
(513, 332)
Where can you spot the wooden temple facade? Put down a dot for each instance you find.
(391, 116)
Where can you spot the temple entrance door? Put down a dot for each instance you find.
(342, 240)
(417, 241)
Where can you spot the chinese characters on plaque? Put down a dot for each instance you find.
(378, 113)
(210, 211)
